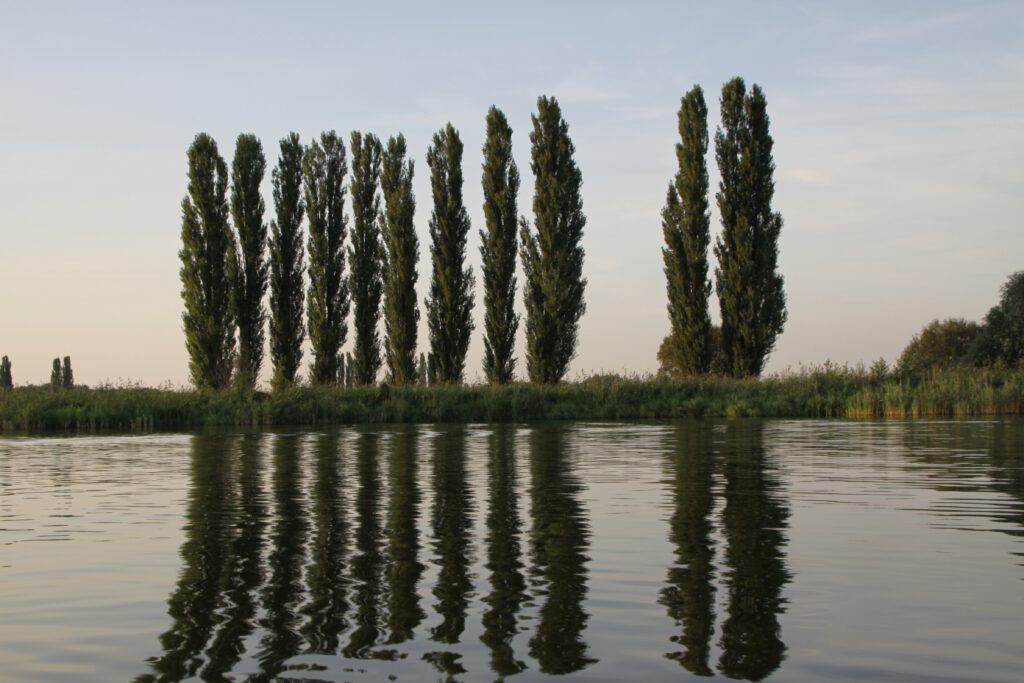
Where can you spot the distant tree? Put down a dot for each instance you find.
(552, 254)
(670, 364)
(250, 268)
(205, 257)
(450, 303)
(750, 289)
(401, 314)
(686, 224)
(349, 370)
(941, 344)
(56, 377)
(366, 255)
(421, 370)
(323, 170)
(1001, 337)
(6, 379)
(498, 249)
(67, 377)
(286, 264)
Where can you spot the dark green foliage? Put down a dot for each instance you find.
(349, 370)
(205, 261)
(6, 379)
(249, 268)
(1001, 338)
(498, 249)
(401, 315)
(323, 172)
(450, 304)
(671, 364)
(421, 370)
(941, 344)
(366, 255)
(750, 290)
(552, 254)
(286, 264)
(67, 377)
(56, 379)
(686, 224)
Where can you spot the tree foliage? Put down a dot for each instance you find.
(450, 303)
(940, 345)
(671, 364)
(750, 289)
(551, 252)
(366, 256)
(286, 264)
(67, 376)
(323, 170)
(6, 379)
(56, 380)
(686, 224)
(249, 274)
(1001, 337)
(401, 314)
(206, 249)
(498, 249)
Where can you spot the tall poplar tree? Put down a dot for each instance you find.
(750, 289)
(323, 171)
(552, 254)
(250, 269)
(366, 255)
(56, 378)
(6, 380)
(498, 249)
(67, 375)
(450, 303)
(205, 252)
(686, 224)
(286, 264)
(401, 315)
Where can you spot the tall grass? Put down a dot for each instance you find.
(827, 391)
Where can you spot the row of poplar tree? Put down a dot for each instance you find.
(750, 292)
(228, 261)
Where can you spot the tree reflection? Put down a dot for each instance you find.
(754, 520)
(690, 593)
(508, 587)
(404, 569)
(559, 540)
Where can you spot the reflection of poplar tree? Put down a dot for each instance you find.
(754, 519)
(193, 605)
(508, 587)
(405, 569)
(690, 594)
(328, 585)
(1007, 455)
(559, 542)
(284, 590)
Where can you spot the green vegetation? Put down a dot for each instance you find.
(750, 294)
(450, 303)
(1001, 337)
(366, 256)
(498, 249)
(401, 315)
(552, 254)
(67, 377)
(56, 381)
(686, 224)
(286, 264)
(828, 391)
(6, 379)
(941, 344)
(206, 248)
(323, 173)
(248, 271)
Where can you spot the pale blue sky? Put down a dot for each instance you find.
(898, 126)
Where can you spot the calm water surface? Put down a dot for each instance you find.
(790, 550)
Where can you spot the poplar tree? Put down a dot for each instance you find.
(450, 303)
(323, 170)
(401, 315)
(498, 249)
(67, 377)
(750, 289)
(206, 249)
(286, 264)
(366, 255)
(6, 380)
(551, 253)
(56, 382)
(250, 267)
(686, 224)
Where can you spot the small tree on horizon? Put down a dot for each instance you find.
(56, 379)
(67, 377)
(6, 379)
(498, 248)
(450, 303)
(366, 257)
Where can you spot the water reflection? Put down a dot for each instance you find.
(405, 569)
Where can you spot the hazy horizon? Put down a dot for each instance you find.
(897, 129)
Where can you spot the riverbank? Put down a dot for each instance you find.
(823, 392)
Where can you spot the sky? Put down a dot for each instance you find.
(898, 128)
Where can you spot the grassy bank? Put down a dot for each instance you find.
(823, 392)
